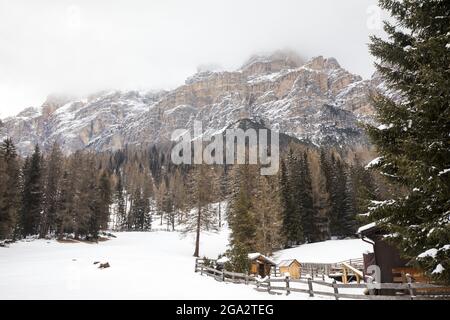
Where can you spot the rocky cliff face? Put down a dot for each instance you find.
(317, 101)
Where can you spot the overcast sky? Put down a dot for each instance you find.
(83, 46)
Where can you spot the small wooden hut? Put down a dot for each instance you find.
(384, 255)
(291, 267)
(260, 265)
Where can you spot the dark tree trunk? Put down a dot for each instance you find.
(197, 238)
(220, 216)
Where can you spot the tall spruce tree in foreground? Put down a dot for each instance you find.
(413, 138)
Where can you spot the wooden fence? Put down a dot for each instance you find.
(400, 291)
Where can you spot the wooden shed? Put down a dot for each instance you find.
(384, 255)
(260, 265)
(292, 267)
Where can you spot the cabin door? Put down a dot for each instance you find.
(262, 270)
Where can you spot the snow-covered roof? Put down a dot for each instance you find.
(256, 255)
(286, 263)
(223, 260)
(367, 227)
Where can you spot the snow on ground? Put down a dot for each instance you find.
(144, 265)
(326, 252)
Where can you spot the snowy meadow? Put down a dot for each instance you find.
(144, 265)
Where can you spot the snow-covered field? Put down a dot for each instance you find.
(147, 265)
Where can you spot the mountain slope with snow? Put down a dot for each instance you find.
(318, 101)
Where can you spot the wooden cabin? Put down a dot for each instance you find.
(384, 255)
(393, 268)
(291, 267)
(260, 265)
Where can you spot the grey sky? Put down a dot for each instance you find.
(82, 46)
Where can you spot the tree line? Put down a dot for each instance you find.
(52, 195)
(316, 195)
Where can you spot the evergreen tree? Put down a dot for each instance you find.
(65, 213)
(348, 217)
(365, 188)
(241, 216)
(147, 194)
(121, 210)
(52, 192)
(291, 201)
(306, 204)
(412, 139)
(86, 220)
(322, 202)
(9, 188)
(238, 259)
(32, 194)
(138, 210)
(5, 217)
(337, 195)
(104, 200)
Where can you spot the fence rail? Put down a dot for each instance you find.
(401, 291)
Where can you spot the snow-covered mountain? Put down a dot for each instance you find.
(316, 100)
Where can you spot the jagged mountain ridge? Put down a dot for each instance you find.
(317, 101)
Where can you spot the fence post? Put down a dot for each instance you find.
(201, 269)
(288, 288)
(411, 290)
(336, 292)
(344, 275)
(196, 264)
(223, 275)
(268, 285)
(246, 277)
(310, 287)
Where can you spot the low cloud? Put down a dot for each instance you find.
(83, 46)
